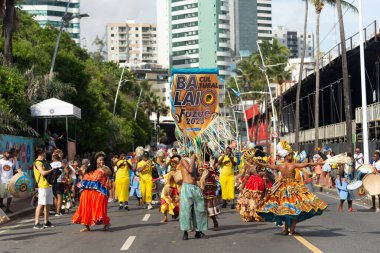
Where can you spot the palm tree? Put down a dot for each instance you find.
(297, 134)
(9, 16)
(319, 4)
(346, 83)
(13, 124)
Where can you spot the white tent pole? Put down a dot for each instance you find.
(67, 138)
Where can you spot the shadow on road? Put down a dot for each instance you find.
(26, 237)
(114, 229)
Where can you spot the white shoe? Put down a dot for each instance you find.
(377, 210)
(150, 207)
(110, 200)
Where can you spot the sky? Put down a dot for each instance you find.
(288, 13)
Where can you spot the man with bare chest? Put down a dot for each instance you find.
(192, 206)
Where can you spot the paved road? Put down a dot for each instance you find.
(141, 231)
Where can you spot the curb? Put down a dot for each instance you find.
(21, 213)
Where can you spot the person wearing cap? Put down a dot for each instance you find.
(359, 158)
(145, 168)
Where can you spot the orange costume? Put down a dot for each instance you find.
(93, 203)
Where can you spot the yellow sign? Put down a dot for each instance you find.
(195, 101)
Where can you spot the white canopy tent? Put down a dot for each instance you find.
(55, 108)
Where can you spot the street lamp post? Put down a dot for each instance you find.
(67, 17)
(264, 69)
(245, 114)
(363, 86)
(138, 102)
(118, 88)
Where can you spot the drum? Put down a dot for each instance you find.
(363, 170)
(371, 183)
(356, 190)
(21, 186)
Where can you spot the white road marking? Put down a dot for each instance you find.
(26, 221)
(146, 217)
(3, 231)
(334, 197)
(128, 243)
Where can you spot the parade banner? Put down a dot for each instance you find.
(194, 99)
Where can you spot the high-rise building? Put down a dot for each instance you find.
(251, 21)
(198, 34)
(132, 44)
(50, 12)
(294, 41)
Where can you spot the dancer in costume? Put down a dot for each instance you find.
(209, 186)
(255, 186)
(162, 169)
(170, 197)
(93, 203)
(192, 206)
(144, 168)
(227, 177)
(122, 181)
(290, 200)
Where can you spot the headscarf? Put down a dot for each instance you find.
(284, 149)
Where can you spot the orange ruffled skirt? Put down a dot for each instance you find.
(92, 209)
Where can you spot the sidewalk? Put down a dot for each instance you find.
(20, 208)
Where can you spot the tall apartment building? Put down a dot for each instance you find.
(294, 41)
(50, 12)
(132, 43)
(198, 33)
(251, 21)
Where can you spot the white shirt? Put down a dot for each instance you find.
(55, 165)
(376, 165)
(6, 170)
(360, 161)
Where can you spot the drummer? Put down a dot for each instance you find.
(341, 183)
(376, 165)
(7, 170)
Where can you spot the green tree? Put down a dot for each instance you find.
(319, 5)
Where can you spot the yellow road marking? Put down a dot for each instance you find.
(307, 244)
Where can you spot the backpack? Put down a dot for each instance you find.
(53, 176)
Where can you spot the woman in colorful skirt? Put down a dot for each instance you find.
(170, 198)
(93, 203)
(255, 186)
(289, 201)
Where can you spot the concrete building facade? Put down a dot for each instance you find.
(50, 12)
(131, 43)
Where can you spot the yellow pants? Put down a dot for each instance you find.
(122, 189)
(146, 189)
(227, 183)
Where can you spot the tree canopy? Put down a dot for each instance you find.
(80, 78)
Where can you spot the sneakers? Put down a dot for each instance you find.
(233, 206)
(126, 208)
(48, 225)
(150, 207)
(58, 214)
(38, 226)
(120, 207)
